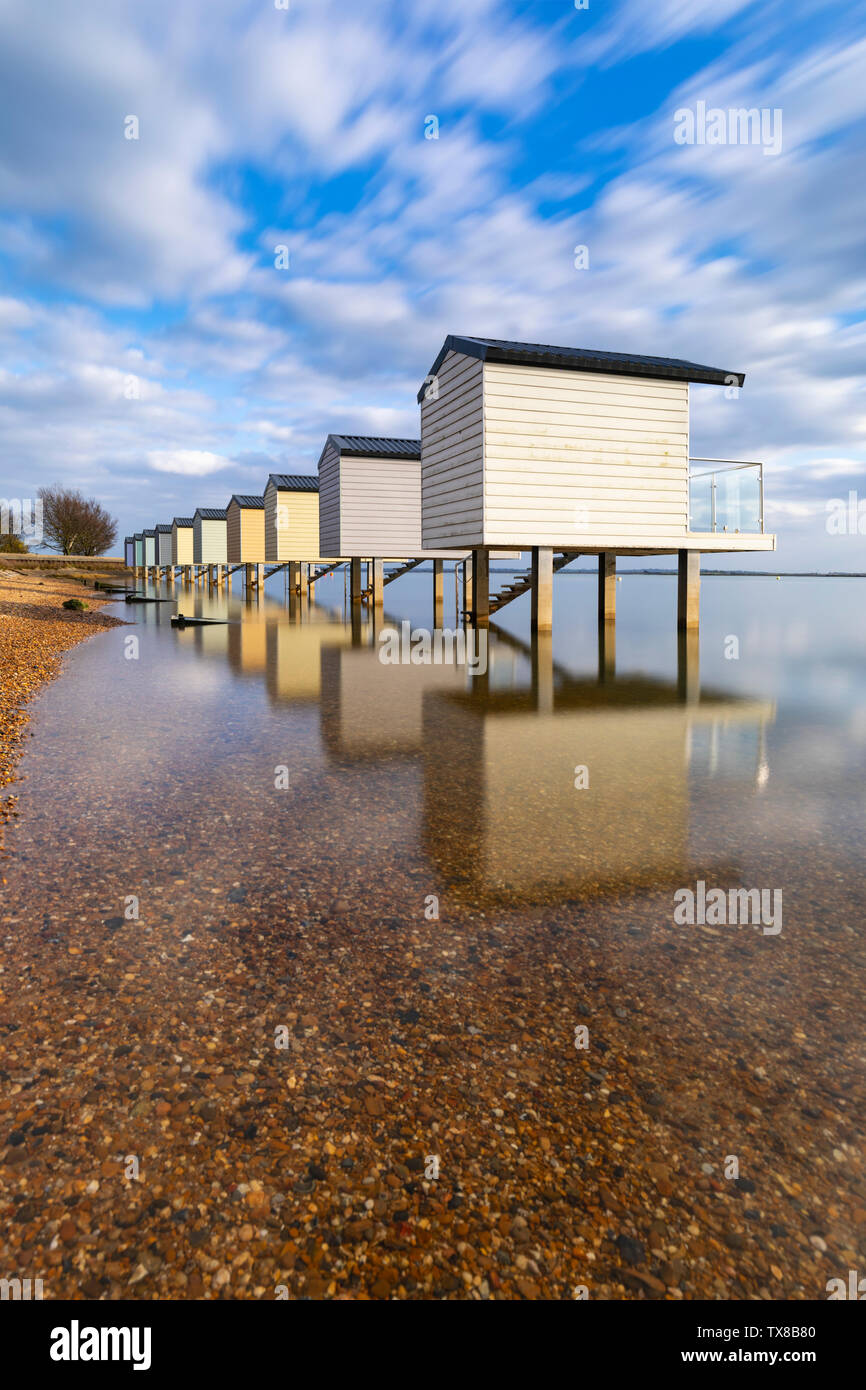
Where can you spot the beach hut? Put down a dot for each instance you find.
(138, 548)
(209, 530)
(163, 545)
(150, 548)
(370, 499)
(182, 540)
(129, 551)
(292, 518)
(245, 530)
(565, 452)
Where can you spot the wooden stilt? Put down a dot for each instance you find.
(606, 587)
(355, 580)
(542, 588)
(438, 592)
(467, 587)
(542, 670)
(688, 664)
(606, 650)
(689, 588)
(480, 588)
(377, 581)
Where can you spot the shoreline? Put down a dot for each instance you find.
(35, 633)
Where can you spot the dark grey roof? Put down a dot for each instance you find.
(294, 482)
(149, 533)
(163, 529)
(210, 513)
(244, 499)
(581, 360)
(139, 536)
(365, 447)
(183, 521)
(127, 539)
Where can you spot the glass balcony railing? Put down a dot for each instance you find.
(726, 497)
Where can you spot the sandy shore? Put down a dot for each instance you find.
(35, 631)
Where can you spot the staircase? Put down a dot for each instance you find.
(522, 583)
(391, 575)
(325, 569)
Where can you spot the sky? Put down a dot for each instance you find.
(158, 351)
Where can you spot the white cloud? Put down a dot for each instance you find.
(192, 463)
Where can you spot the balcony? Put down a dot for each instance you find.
(727, 497)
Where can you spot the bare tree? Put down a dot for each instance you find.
(10, 544)
(75, 525)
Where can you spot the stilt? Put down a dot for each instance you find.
(377, 581)
(542, 670)
(688, 664)
(438, 592)
(606, 587)
(467, 588)
(480, 588)
(304, 580)
(606, 650)
(355, 580)
(248, 580)
(689, 588)
(260, 580)
(169, 575)
(542, 588)
(293, 577)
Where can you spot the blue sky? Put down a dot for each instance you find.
(151, 352)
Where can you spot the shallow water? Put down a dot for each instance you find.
(434, 891)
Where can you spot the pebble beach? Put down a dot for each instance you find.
(238, 1095)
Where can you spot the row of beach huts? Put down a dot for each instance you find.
(523, 447)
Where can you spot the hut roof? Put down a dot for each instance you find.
(210, 513)
(149, 533)
(364, 446)
(184, 521)
(294, 482)
(581, 360)
(243, 499)
(162, 529)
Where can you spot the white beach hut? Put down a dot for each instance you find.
(567, 452)
(163, 545)
(210, 539)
